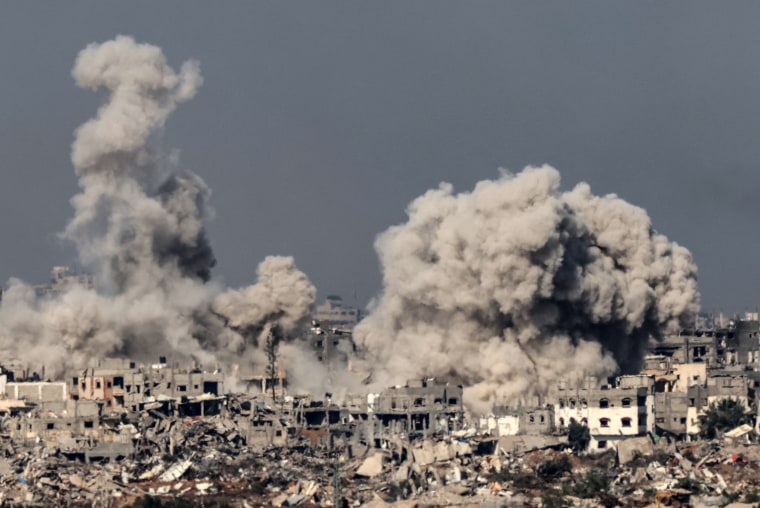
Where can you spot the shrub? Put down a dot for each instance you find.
(591, 485)
(554, 469)
(554, 499)
(689, 484)
(752, 497)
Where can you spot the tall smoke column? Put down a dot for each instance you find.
(517, 285)
(139, 225)
(135, 219)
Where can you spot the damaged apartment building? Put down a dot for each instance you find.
(95, 402)
(698, 368)
(121, 385)
(681, 377)
(614, 410)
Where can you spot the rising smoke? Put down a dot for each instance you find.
(517, 285)
(510, 287)
(139, 226)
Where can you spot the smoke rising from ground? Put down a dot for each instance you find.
(138, 225)
(516, 285)
(510, 287)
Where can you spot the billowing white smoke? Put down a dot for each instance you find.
(139, 225)
(516, 285)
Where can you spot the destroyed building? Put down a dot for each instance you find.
(421, 407)
(63, 278)
(333, 347)
(122, 385)
(335, 314)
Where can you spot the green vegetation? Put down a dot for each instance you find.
(752, 497)
(721, 417)
(554, 499)
(591, 485)
(689, 484)
(578, 436)
(554, 469)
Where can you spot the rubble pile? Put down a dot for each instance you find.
(221, 460)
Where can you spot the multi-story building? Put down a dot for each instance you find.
(611, 411)
(122, 385)
(333, 313)
(507, 421)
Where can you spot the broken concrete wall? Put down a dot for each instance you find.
(37, 391)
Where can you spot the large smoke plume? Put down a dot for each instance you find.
(517, 285)
(139, 226)
(510, 287)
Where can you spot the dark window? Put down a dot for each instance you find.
(602, 444)
(97, 384)
(51, 426)
(419, 402)
(603, 403)
(88, 424)
(626, 422)
(75, 381)
(181, 388)
(683, 421)
(453, 401)
(604, 422)
(532, 419)
(626, 402)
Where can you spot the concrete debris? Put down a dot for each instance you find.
(406, 446)
(372, 466)
(631, 448)
(739, 431)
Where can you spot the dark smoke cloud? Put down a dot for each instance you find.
(139, 226)
(516, 285)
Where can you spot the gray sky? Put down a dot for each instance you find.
(319, 121)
